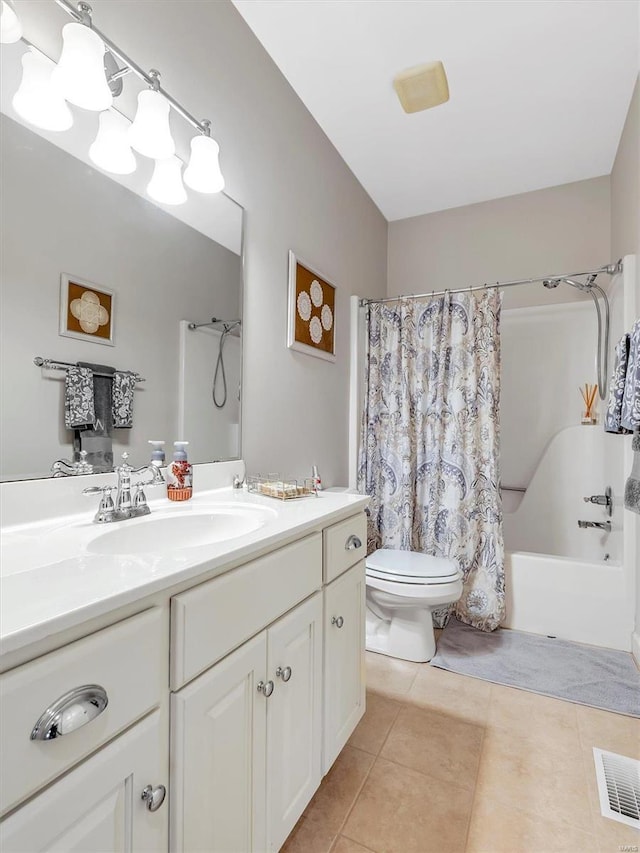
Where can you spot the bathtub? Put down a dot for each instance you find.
(568, 598)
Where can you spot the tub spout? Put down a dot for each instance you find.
(600, 525)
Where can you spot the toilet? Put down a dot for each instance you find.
(403, 588)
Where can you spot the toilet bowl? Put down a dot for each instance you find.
(403, 588)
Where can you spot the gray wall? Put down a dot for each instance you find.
(59, 215)
(560, 229)
(298, 194)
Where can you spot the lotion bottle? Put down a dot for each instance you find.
(180, 474)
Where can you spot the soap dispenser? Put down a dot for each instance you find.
(157, 453)
(180, 474)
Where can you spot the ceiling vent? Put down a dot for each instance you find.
(618, 787)
(422, 87)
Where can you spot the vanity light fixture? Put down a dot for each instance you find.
(10, 26)
(150, 133)
(203, 172)
(166, 184)
(111, 150)
(90, 74)
(37, 100)
(79, 75)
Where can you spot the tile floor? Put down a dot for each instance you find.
(443, 763)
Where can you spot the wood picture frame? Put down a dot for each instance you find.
(312, 311)
(86, 311)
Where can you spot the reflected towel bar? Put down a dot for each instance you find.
(63, 365)
(513, 488)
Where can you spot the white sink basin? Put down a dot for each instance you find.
(175, 531)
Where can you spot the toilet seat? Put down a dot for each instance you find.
(411, 567)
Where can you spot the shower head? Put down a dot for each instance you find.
(550, 283)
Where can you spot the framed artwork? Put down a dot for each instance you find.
(86, 310)
(312, 311)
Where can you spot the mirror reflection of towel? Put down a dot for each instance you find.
(97, 441)
(124, 385)
(79, 407)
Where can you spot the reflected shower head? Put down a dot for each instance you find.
(550, 283)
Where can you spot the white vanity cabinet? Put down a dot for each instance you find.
(246, 740)
(232, 695)
(98, 806)
(344, 674)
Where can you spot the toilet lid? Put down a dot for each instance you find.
(410, 567)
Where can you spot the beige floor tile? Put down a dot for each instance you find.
(547, 779)
(402, 811)
(466, 699)
(435, 744)
(374, 727)
(531, 715)
(318, 827)
(613, 732)
(345, 845)
(389, 676)
(611, 835)
(496, 829)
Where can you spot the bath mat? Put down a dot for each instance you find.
(601, 678)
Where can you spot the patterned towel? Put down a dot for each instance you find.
(632, 486)
(613, 416)
(630, 418)
(124, 385)
(79, 407)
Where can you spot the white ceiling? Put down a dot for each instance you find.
(539, 90)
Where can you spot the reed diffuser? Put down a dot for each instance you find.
(589, 396)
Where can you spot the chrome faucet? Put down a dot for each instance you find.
(126, 505)
(600, 525)
(64, 468)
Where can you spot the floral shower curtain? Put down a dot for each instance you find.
(429, 454)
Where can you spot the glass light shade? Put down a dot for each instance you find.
(10, 26)
(111, 150)
(150, 133)
(79, 75)
(166, 184)
(203, 172)
(36, 100)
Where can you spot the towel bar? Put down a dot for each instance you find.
(63, 365)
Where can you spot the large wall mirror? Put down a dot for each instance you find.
(168, 278)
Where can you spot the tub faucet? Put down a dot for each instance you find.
(601, 525)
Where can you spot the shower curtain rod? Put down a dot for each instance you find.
(610, 269)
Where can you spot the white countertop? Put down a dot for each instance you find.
(51, 581)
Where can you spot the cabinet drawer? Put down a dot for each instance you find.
(340, 541)
(212, 619)
(128, 660)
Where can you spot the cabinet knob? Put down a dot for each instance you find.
(70, 712)
(284, 674)
(266, 688)
(338, 621)
(353, 543)
(154, 797)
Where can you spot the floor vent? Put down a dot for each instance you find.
(618, 786)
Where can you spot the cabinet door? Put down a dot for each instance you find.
(218, 727)
(98, 806)
(344, 676)
(294, 730)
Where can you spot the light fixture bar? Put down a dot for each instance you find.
(81, 15)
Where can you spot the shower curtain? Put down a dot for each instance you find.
(429, 451)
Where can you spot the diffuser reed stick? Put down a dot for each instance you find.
(588, 394)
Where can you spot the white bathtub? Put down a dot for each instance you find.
(567, 598)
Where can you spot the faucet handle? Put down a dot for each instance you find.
(106, 508)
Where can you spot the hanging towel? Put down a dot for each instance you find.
(102, 394)
(613, 416)
(630, 418)
(124, 385)
(79, 405)
(632, 486)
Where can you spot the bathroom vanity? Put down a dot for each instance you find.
(232, 668)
